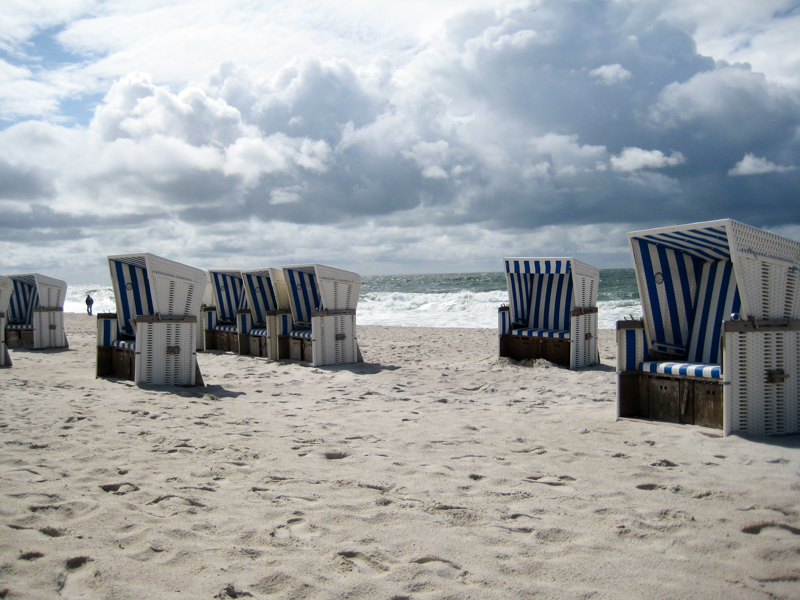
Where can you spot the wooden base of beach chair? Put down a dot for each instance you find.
(521, 347)
(245, 343)
(19, 338)
(301, 349)
(674, 399)
(115, 362)
(226, 341)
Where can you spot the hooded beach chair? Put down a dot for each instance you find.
(221, 319)
(35, 317)
(719, 341)
(551, 312)
(323, 302)
(151, 337)
(6, 290)
(268, 322)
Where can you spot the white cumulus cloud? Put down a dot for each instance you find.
(752, 165)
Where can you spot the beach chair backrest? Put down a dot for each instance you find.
(132, 291)
(260, 292)
(24, 300)
(540, 291)
(228, 294)
(717, 298)
(304, 295)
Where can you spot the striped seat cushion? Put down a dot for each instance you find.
(126, 344)
(225, 328)
(546, 333)
(301, 333)
(19, 326)
(682, 368)
(259, 332)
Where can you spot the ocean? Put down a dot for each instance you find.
(432, 300)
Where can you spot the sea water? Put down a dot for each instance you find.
(431, 300)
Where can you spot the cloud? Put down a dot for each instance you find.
(635, 159)
(752, 165)
(502, 127)
(611, 74)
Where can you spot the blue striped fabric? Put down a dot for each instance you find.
(547, 333)
(225, 328)
(210, 319)
(262, 296)
(521, 277)
(24, 299)
(551, 302)
(108, 331)
(682, 368)
(707, 243)
(244, 322)
(670, 303)
(632, 349)
(504, 322)
(135, 297)
(303, 294)
(127, 344)
(285, 324)
(301, 333)
(228, 295)
(262, 332)
(717, 298)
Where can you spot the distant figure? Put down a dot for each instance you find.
(89, 302)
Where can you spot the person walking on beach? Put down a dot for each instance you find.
(89, 303)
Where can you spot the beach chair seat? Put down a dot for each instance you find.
(35, 314)
(720, 306)
(232, 328)
(151, 337)
(552, 312)
(323, 303)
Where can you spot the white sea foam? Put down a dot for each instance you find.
(402, 309)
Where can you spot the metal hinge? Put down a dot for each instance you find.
(340, 336)
(173, 349)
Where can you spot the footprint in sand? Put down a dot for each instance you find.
(757, 529)
(364, 564)
(296, 528)
(440, 566)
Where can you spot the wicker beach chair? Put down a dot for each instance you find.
(552, 311)
(323, 301)
(229, 304)
(35, 317)
(266, 326)
(719, 341)
(151, 337)
(6, 290)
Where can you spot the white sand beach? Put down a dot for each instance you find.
(433, 470)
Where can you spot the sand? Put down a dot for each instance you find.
(433, 470)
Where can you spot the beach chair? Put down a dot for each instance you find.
(151, 337)
(6, 289)
(35, 317)
(221, 319)
(323, 302)
(719, 341)
(552, 311)
(266, 326)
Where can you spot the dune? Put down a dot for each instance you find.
(433, 470)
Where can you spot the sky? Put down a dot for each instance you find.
(414, 136)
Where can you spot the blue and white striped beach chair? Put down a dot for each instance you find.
(35, 317)
(323, 302)
(552, 311)
(719, 341)
(270, 314)
(229, 316)
(6, 290)
(151, 337)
